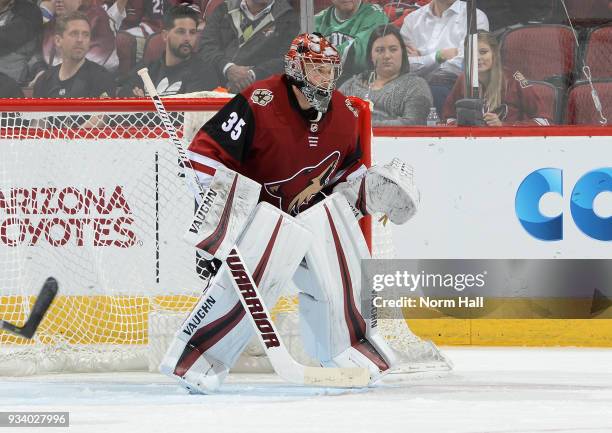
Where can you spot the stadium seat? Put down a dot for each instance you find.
(544, 52)
(587, 13)
(551, 96)
(210, 7)
(126, 52)
(598, 54)
(580, 107)
(153, 49)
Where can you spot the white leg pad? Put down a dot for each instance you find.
(332, 324)
(211, 339)
(205, 375)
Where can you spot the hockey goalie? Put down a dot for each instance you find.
(285, 189)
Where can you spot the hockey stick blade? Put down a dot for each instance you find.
(42, 304)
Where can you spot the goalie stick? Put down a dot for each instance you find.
(42, 304)
(283, 363)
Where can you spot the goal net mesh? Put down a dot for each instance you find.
(92, 194)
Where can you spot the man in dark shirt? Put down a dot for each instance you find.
(75, 77)
(102, 43)
(178, 70)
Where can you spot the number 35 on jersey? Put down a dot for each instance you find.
(233, 125)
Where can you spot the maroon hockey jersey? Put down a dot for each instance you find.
(263, 134)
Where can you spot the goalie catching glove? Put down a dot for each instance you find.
(387, 189)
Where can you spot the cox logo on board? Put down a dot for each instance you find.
(586, 189)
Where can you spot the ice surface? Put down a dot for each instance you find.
(500, 390)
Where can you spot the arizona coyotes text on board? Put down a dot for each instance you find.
(100, 217)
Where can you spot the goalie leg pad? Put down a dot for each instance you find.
(217, 330)
(223, 213)
(203, 348)
(333, 327)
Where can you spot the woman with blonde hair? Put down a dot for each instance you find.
(509, 99)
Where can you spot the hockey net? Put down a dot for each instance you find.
(91, 193)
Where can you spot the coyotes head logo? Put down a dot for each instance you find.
(299, 189)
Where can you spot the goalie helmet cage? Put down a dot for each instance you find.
(91, 192)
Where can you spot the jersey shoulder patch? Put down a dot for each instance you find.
(518, 76)
(262, 97)
(350, 106)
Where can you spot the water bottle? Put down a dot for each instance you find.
(433, 119)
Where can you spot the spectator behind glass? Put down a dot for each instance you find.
(399, 97)
(102, 49)
(434, 36)
(139, 18)
(9, 87)
(76, 76)
(142, 18)
(508, 96)
(20, 30)
(178, 71)
(246, 40)
(347, 24)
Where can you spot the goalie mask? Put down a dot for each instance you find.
(313, 66)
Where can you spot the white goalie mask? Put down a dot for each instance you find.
(314, 66)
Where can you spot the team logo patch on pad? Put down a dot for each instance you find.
(262, 97)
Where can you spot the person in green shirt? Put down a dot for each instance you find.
(347, 24)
